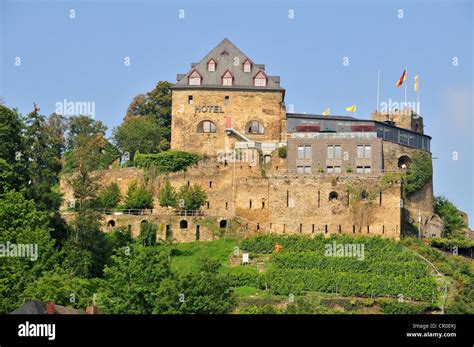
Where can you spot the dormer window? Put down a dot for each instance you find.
(247, 66)
(195, 78)
(260, 80)
(211, 65)
(227, 78)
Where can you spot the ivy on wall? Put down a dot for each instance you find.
(168, 161)
(419, 173)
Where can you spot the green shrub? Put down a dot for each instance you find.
(168, 196)
(147, 235)
(110, 196)
(191, 197)
(138, 197)
(168, 161)
(256, 309)
(395, 307)
(453, 222)
(243, 278)
(282, 152)
(119, 237)
(419, 173)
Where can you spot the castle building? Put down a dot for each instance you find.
(227, 101)
(302, 173)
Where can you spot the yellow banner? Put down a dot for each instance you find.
(352, 108)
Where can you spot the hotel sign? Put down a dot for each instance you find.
(208, 109)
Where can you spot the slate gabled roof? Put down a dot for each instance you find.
(31, 307)
(38, 307)
(225, 54)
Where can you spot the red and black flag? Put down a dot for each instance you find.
(403, 77)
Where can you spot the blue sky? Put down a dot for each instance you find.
(82, 59)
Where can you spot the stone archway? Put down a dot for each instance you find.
(404, 162)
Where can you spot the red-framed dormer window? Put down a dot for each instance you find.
(260, 79)
(211, 65)
(194, 78)
(247, 66)
(227, 78)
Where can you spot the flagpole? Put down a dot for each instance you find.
(418, 100)
(378, 91)
(406, 75)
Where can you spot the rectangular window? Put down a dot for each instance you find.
(300, 152)
(195, 81)
(300, 169)
(334, 151)
(307, 152)
(206, 127)
(337, 169)
(364, 151)
(367, 169)
(330, 152)
(307, 169)
(337, 151)
(260, 82)
(403, 138)
(247, 67)
(190, 99)
(227, 81)
(367, 151)
(360, 151)
(226, 100)
(359, 169)
(330, 169)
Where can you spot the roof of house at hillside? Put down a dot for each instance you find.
(38, 307)
(31, 307)
(225, 54)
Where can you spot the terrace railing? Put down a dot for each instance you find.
(188, 213)
(137, 212)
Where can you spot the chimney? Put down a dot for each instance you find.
(50, 308)
(91, 309)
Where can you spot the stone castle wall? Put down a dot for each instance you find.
(270, 202)
(405, 120)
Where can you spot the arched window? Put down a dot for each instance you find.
(111, 224)
(332, 196)
(183, 224)
(223, 223)
(194, 78)
(404, 162)
(206, 127)
(254, 127)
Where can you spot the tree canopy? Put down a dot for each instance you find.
(453, 222)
